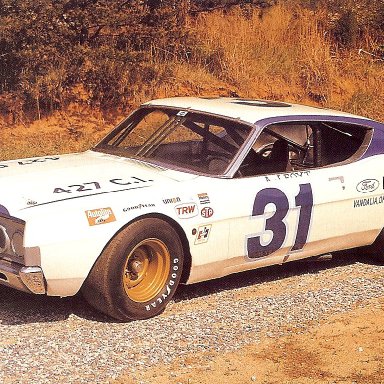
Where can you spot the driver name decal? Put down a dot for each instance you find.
(100, 216)
(287, 175)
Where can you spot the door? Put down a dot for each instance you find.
(297, 203)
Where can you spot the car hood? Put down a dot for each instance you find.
(27, 183)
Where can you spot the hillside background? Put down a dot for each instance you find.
(70, 70)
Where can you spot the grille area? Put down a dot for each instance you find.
(3, 239)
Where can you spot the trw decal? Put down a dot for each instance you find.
(186, 211)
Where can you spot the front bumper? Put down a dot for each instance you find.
(27, 279)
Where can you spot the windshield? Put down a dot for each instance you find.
(178, 139)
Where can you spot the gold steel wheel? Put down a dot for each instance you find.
(138, 272)
(146, 270)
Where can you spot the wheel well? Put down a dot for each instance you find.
(183, 238)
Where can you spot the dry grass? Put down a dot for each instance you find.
(62, 132)
(361, 87)
(282, 54)
(286, 54)
(265, 56)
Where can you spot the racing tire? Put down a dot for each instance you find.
(138, 272)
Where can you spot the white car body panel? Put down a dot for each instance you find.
(242, 111)
(330, 224)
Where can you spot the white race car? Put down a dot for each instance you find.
(186, 190)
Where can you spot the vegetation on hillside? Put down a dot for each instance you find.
(107, 55)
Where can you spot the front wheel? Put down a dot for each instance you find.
(138, 272)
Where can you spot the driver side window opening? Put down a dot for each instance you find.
(287, 147)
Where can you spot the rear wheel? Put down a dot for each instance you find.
(138, 272)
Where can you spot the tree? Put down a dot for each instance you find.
(48, 47)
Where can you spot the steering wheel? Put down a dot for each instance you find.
(252, 158)
(265, 150)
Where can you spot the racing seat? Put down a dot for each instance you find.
(279, 157)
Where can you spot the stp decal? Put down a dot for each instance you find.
(100, 216)
(186, 211)
(207, 212)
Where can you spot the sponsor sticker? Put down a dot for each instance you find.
(367, 185)
(139, 206)
(172, 200)
(366, 201)
(203, 198)
(202, 234)
(100, 216)
(186, 211)
(207, 212)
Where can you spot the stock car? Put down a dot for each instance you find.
(190, 189)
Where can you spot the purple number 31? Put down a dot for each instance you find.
(276, 223)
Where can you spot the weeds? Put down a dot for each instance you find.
(284, 52)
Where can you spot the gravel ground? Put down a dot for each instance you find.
(46, 340)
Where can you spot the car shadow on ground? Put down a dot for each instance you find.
(268, 274)
(23, 308)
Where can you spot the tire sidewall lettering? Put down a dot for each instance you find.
(106, 285)
(170, 287)
(157, 304)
